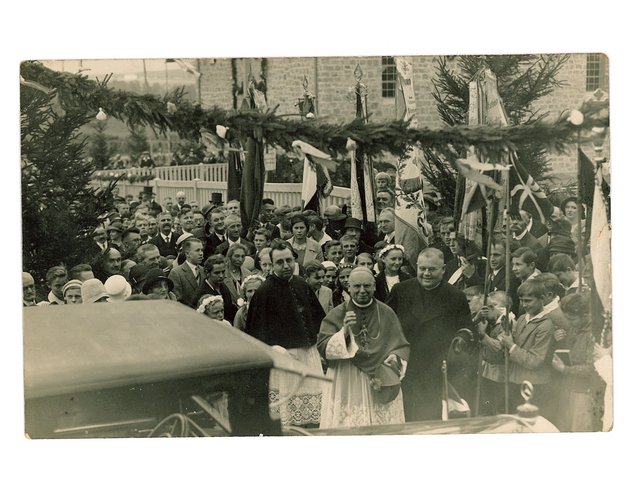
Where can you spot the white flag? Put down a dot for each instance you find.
(601, 245)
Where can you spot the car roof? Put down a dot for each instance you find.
(74, 348)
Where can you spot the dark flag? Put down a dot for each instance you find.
(234, 176)
(253, 171)
(362, 180)
(252, 185)
(588, 178)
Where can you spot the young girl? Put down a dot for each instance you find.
(580, 385)
(248, 288)
(341, 292)
(392, 257)
(213, 307)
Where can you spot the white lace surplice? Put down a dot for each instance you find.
(348, 400)
(304, 406)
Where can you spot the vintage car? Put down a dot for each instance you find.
(158, 368)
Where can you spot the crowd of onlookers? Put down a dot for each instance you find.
(201, 256)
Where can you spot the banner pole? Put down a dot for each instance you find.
(507, 282)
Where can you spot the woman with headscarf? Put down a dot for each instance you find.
(366, 353)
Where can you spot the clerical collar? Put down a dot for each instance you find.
(521, 235)
(362, 306)
(430, 289)
(281, 278)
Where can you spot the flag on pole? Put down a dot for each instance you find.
(411, 227)
(316, 182)
(601, 244)
(587, 174)
(526, 194)
(362, 190)
(253, 172)
(234, 175)
(485, 108)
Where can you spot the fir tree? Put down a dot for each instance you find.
(522, 79)
(137, 142)
(99, 148)
(59, 207)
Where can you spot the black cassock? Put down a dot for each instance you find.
(430, 320)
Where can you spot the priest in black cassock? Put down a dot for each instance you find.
(285, 313)
(431, 312)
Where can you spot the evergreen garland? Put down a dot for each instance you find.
(78, 93)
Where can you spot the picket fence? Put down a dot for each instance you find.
(198, 182)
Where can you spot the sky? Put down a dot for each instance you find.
(103, 67)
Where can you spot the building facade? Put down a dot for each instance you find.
(331, 79)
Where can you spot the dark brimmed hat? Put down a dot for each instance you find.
(352, 223)
(147, 189)
(206, 210)
(137, 275)
(153, 276)
(117, 226)
(216, 197)
(385, 384)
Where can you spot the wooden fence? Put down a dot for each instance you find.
(199, 181)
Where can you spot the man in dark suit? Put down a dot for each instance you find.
(101, 243)
(233, 226)
(215, 231)
(497, 273)
(165, 240)
(431, 312)
(188, 276)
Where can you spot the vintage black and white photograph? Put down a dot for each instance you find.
(316, 246)
(391, 244)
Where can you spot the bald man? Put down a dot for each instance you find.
(431, 312)
(363, 343)
(28, 290)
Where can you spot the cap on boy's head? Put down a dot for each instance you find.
(352, 223)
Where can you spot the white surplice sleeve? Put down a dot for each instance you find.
(337, 348)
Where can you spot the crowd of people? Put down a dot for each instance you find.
(349, 305)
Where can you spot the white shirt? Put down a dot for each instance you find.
(237, 242)
(391, 281)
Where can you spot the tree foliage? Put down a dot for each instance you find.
(137, 142)
(59, 208)
(522, 80)
(100, 146)
(171, 112)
